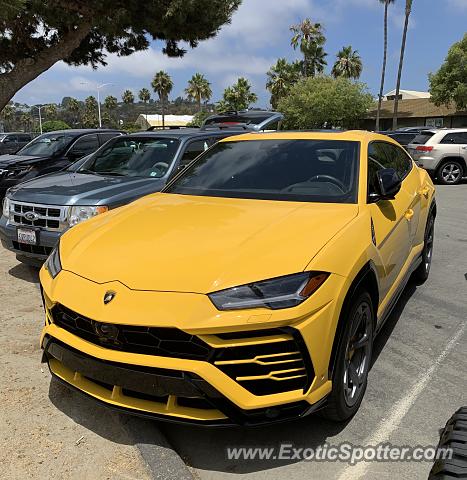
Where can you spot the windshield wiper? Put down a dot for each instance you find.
(115, 174)
(86, 170)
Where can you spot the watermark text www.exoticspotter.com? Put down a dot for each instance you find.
(344, 452)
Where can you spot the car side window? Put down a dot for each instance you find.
(105, 137)
(84, 146)
(192, 151)
(453, 139)
(385, 155)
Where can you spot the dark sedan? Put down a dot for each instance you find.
(49, 153)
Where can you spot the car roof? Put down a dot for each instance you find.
(183, 133)
(83, 131)
(349, 135)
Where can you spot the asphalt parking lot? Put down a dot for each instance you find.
(418, 379)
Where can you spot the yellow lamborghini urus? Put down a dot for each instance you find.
(251, 289)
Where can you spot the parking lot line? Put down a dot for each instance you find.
(401, 408)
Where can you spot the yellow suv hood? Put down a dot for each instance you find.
(180, 243)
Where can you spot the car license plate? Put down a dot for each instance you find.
(27, 236)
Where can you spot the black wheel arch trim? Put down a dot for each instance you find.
(365, 275)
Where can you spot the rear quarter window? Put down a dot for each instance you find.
(422, 138)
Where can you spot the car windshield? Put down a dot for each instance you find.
(48, 144)
(133, 157)
(291, 170)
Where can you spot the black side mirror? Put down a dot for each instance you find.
(388, 183)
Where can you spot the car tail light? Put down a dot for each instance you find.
(424, 148)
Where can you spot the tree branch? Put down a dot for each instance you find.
(28, 69)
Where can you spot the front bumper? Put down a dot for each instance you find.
(36, 254)
(218, 387)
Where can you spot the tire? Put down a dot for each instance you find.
(351, 374)
(420, 275)
(454, 437)
(450, 172)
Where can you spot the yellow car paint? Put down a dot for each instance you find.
(184, 247)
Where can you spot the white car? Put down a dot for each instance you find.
(442, 152)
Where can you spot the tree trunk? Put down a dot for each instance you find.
(163, 112)
(383, 71)
(28, 69)
(408, 7)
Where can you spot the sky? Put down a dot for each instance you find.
(259, 34)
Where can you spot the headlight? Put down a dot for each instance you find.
(6, 207)
(280, 292)
(78, 214)
(53, 264)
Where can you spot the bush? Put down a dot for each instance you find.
(52, 125)
(324, 102)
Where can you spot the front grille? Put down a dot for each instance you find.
(277, 366)
(270, 361)
(166, 342)
(48, 217)
(35, 249)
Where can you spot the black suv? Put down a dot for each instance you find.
(11, 142)
(48, 153)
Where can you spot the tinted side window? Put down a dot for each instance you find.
(422, 138)
(24, 138)
(107, 136)
(384, 155)
(457, 138)
(85, 145)
(193, 150)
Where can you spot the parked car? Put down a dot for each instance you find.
(38, 211)
(255, 120)
(442, 152)
(404, 138)
(48, 153)
(12, 142)
(233, 297)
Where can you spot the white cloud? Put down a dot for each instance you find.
(459, 4)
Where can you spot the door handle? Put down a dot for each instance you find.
(424, 191)
(409, 214)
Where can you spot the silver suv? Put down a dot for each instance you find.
(442, 152)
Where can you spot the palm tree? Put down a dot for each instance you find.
(73, 106)
(198, 89)
(281, 77)
(348, 64)
(162, 85)
(408, 9)
(110, 104)
(8, 112)
(315, 60)
(51, 110)
(128, 97)
(385, 54)
(145, 95)
(308, 37)
(237, 97)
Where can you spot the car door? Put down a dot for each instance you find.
(462, 140)
(390, 218)
(451, 144)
